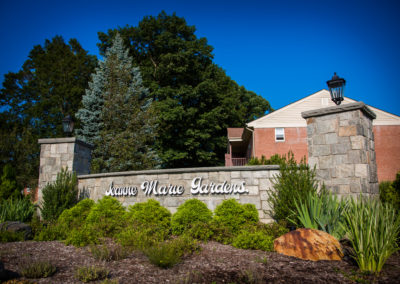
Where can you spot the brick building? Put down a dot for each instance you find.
(285, 129)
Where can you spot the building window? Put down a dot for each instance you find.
(279, 134)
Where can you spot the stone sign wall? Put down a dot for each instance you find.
(172, 187)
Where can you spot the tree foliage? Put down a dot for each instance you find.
(34, 101)
(117, 116)
(195, 99)
(8, 184)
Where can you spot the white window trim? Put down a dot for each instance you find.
(279, 131)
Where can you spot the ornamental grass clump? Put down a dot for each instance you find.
(320, 211)
(16, 210)
(37, 269)
(372, 228)
(91, 273)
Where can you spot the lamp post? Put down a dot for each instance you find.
(68, 125)
(336, 88)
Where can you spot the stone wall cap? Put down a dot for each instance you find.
(340, 108)
(183, 170)
(64, 140)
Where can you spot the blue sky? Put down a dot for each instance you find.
(282, 50)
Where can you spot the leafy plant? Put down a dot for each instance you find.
(275, 159)
(388, 192)
(140, 238)
(75, 217)
(59, 195)
(291, 185)
(254, 240)
(83, 237)
(188, 213)
(91, 273)
(7, 237)
(320, 211)
(37, 269)
(106, 217)
(372, 228)
(49, 232)
(234, 215)
(169, 253)
(8, 184)
(108, 253)
(200, 231)
(16, 210)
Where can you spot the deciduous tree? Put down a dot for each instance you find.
(195, 99)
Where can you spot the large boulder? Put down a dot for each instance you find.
(309, 244)
(17, 227)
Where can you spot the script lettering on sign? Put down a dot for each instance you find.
(150, 187)
(197, 187)
(121, 191)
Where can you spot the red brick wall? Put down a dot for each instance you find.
(387, 149)
(295, 140)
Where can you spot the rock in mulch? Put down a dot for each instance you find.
(17, 227)
(309, 244)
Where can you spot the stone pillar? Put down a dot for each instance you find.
(58, 153)
(341, 147)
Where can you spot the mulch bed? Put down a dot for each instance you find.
(214, 263)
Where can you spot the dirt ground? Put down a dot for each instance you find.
(214, 263)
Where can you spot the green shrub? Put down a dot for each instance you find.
(200, 231)
(292, 184)
(372, 228)
(234, 215)
(107, 217)
(83, 237)
(8, 237)
(254, 240)
(276, 229)
(389, 194)
(321, 211)
(275, 159)
(188, 213)
(60, 195)
(108, 252)
(37, 269)
(8, 184)
(75, 217)
(139, 238)
(91, 273)
(49, 232)
(16, 210)
(221, 232)
(169, 253)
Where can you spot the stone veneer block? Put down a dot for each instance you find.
(349, 166)
(58, 153)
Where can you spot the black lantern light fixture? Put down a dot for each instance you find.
(68, 125)
(336, 88)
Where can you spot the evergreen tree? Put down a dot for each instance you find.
(117, 116)
(194, 98)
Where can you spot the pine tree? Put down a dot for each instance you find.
(117, 117)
